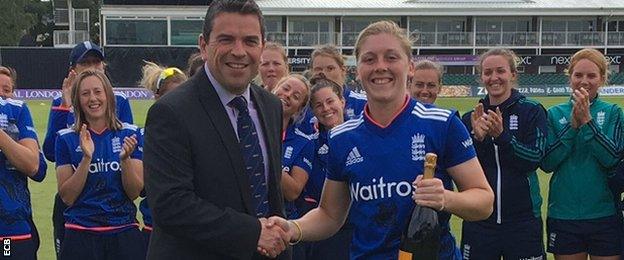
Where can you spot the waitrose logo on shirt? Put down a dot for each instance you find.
(379, 189)
(102, 166)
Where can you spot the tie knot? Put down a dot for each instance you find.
(239, 103)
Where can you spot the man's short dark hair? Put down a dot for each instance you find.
(231, 6)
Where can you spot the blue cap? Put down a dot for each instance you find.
(81, 50)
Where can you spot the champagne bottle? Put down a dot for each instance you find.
(421, 238)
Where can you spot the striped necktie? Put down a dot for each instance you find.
(252, 156)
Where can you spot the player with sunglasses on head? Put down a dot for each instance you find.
(160, 81)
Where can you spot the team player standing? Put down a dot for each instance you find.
(425, 86)
(99, 174)
(160, 81)
(363, 177)
(84, 56)
(509, 134)
(19, 161)
(584, 144)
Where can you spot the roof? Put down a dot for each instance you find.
(403, 7)
(443, 7)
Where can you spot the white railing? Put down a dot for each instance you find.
(615, 38)
(441, 39)
(310, 38)
(507, 38)
(279, 37)
(70, 38)
(572, 38)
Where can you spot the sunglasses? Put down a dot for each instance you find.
(165, 74)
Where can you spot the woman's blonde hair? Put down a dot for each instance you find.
(510, 56)
(274, 46)
(9, 72)
(594, 56)
(380, 27)
(112, 122)
(328, 51)
(154, 76)
(301, 78)
(430, 65)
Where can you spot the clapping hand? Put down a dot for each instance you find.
(129, 144)
(479, 124)
(66, 89)
(580, 110)
(494, 122)
(86, 143)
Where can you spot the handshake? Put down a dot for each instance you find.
(276, 234)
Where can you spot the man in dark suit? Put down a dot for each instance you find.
(212, 150)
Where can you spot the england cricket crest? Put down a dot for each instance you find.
(116, 144)
(513, 122)
(600, 118)
(418, 147)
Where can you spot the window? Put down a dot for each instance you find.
(185, 32)
(613, 26)
(351, 27)
(273, 23)
(508, 31)
(580, 26)
(421, 25)
(136, 32)
(553, 26)
(309, 31)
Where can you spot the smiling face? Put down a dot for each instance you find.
(90, 61)
(293, 93)
(6, 86)
(329, 67)
(233, 50)
(425, 86)
(93, 99)
(383, 67)
(272, 68)
(586, 74)
(497, 78)
(328, 107)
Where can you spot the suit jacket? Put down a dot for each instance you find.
(195, 179)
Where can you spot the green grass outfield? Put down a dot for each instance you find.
(43, 193)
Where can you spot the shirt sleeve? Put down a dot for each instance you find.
(605, 143)
(25, 124)
(559, 143)
(525, 151)
(459, 147)
(43, 168)
(61, 152)
(335, 164)
(124, 111)
(57, 120)
(305, 157)
(138, 150)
